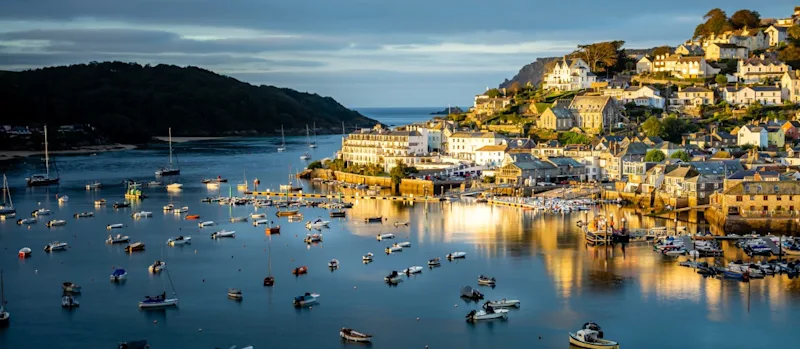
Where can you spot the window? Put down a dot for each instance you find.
(752, 198)
(779, 198)
(766, 198)
(739, 198)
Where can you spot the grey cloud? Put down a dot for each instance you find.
(33, 60)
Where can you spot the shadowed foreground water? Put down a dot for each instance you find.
(635, 294)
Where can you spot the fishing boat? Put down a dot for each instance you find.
(41, 212)
(397, 224)
(180, 240)
(115, 226)
(456, 255)
(393, 248)
(69, 302)
(333, 264)
(24, 252)
(192, 216)
(373, 220)
(174, 187)
(312, 238)
(169, 170)
(142, 214)
(367, 257)
(269, 230)
(412, 270)
(118, 239)
(157, 267)
(5, 316)
(487, 314)
(70, 287)
(26, 221)
(223, 234)
(313, 144)
(354, 336)
(393, 278)
(121, 205)
(93, 185)
(282, 148)
(306, 299)
(161, 301)
(7, 207)
(56, 223)
(134, 193)
(384, 236)
(234, 293)
(591, 339)
(504, 303)
(485, 280)
(206, 224)
(317, 224)
(44, 179)
(55, 246)
(135, 247)
(471, 293)
(119, 275)
(100, 202)
(84, 215)
(300, 270)
(337, 214)
(434, 262)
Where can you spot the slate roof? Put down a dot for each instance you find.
(765, 188)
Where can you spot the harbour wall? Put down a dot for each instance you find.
(740, 225)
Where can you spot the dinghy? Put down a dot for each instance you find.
(180, 240)
(397, 224)
(317, 224)
(504, 303)
(206, 224)
(234, 293)
(300, 270)
(238, 219)
(393, 248)
(56, 223)
(485, 280)
(24, 252)
(434, 262)
(69, 302)
(169, 207)
(119, 275)
(591, 339)
(258, 215)
(55, 246)
(258, 222)
(353, 335)
(70, 287)
(157, 267)
(367, 257)
(385, 236)
(403, 244)
(312, 238)
(190, 217)
(115, 226)
(333, 264)
(84, 215)
(118, 239)
(142, 214)
(412, 270)
(100, 202)
(488, 314)
(455, 255)
(471, 293)
(26, 221)
(306, 299)
(184, 209)
(135, 247)
(393, 278)
(223, 234)
(41, 212)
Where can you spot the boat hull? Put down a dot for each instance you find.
(42, 182)
(169, 302)
(600, 344)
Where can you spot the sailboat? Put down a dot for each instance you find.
(288, 188)
(282, 148)
(307, 156)
(169, 171)
(44, 179)
(313, 144)
(4, 315)
(161, 301)
(269, 280)
(7, 208)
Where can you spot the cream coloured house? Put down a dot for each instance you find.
(643, 96)
(693, 96)
(665, 63)
(718, 51)
(746, 95)
(644, 65)
(594, 113)
(757, 69)
(372, 146)
(484, 104)
(569, 75)
(690, 49)
(790, 86)
(693, 67)
(490, 155)
(462, 145)
(751, 38)
(776, 35)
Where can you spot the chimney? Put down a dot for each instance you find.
(763, 57)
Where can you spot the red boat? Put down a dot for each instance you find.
(193, 216)
(300, 270)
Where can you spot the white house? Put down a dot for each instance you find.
(718, 51)
(569, 75)
(490, 155)
(753, 135)
(646, 96)
(756, 69)
(372, 146)
(790, 86)
(776, 35)
(746, 95)
(462, 145)
(644, 65)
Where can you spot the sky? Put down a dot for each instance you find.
(363, 53)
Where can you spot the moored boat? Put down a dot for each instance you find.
(156, 267)
(119, 275)
(471, 293)
(206, 224)
(55, 246)
(456, 255)
(591, 339)
(26, 221)
(70, 287)
(393, 248)
(337, 214)
(84, 215)
(100, 202)
(333, 264)
(118, 239)
(56, 223)
(235, 293)
(272, 229)
(317, 224)
(258, 215)
(24, 252)
(135, 247)
(192, 216)
(168, 207)
(435, 262)
(300, 270)
(412, 270)
(404, 244)
(373, 220)
(121, 204)
(223, 234)
(393, 278)
(485, 280)
(160, 301)
(353, 335)
(179, 240)
(367, 257)
(312, 238)
(238, 219)
(69, 302)
(397, 224)
(504, 303)
(41, 212)
(384, 236)
(258, 222)
(142, 214)
(487, 314)
(115, 226)
(306, 299)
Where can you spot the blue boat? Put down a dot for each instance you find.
(736, 276)
(306, 299)
(119, 275)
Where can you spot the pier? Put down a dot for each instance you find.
(409, 198)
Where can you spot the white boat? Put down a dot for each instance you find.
(7, 209)
(258, 215)
(93, 185)
(316, 224)
(118, 239)
(206, 224)
(234, 293)
(282, 148)
(305, 157)
(70, 287)
(44, 179)
(489, 314)
(404, 244)
(180, 240)
(63, 199)
(412, 270)
(353, 335)
(169, 207)
(223, 234)
(504, 303)
(84, 215)
(25, 221)
(69, 302)
(142, 214)
(100, 202)
(311, 238)
(306, 299)
(434, 262)
(157, 266)
(160, 301)
(119, 275)
(485, 280)
(393, 278)
(56, 223)
(4, 216)
(367, 257)
(25, 252)
(455, 255)
(169, 170)
(334, 263)
(590, 339)
(41, 212)
(393, 248)
(178, 211)
(212, 185)
(115, 226)
(174, 186)
(238, 219)
(397, 224)
(55, 246)
(258, 222)
(385, 236)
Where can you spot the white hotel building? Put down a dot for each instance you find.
(384, 147)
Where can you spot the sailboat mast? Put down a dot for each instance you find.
(283, 138)
(343, 131)
(46, 153)
(269, 261)
(315, 132)
(170, 284)
(308, 137)
(170, 147)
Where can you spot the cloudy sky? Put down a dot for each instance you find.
(364, 53)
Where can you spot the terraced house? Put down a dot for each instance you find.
(761, 68)
(760, 199)
(376, 145)
(746, 95)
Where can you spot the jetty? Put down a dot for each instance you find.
(410, 198)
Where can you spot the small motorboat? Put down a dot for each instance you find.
(180, 240)
(367, 257)
(397, 224)
(179, 210)
(26, 221)
(269, 281)
(504, 303)
(238, 219)
(84, 215)
(412, 270)
(168, 207)
(471, 293)
(142, 214)
(135, 247)
(487, 314)
(234, 293)
(434, 262)
(8, 215)
(353, 335)
(317, 224)
(55, 246)
(63, 199)
(485, 280)
(384, 236)
(160, 301)
(93, 185)
(69, 302)
(403, 244)
(41, 212)
(455, 255)
(337, 214)
(100, 202)
(206, 224)
(258, 222)
(258, 215)
(373, 220)
(56, 223)
(300, 270)
(70, 287)
(157, 267)
(192, 216)
(393, 248)
(306, 299)
(119, 275)
(333, 264)
(272, 230)
(217, 180)
(115, 226)
(393, 277)
(591, 339)
(305, 157)
(223, 234)
(118, 239)
(174, 186)
(25, 252)
(312, 238)
(121, 204)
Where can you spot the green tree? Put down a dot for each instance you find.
(680, 154)
(654, 155)
(716, 23)
(746, 18)
(493, 93)
(570, 137)
(794, 32)
(674, 129)
(721, 80)
(652, 127)
(400, 171)
(600, 55)
(315, 165)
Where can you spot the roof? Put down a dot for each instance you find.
(695, 89)
(637, 88)
(534, 164)
(744, 174)
(751, 128)
(475, 135)
(501, 147)
(720, 167)
(729, 46)
(725, 135)
(766, 88)
(767, 60)
(565, 161)
(521, 143)
(669, 146)
(560, 112)
(586, 103)
(682, 172)
(765, 188)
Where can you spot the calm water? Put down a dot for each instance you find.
(635, 294)
(399, 116)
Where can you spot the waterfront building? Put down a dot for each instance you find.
(383, 146)
(760, 199)
(462, 145)
(569, 75)
(490, 155)
(526, 170)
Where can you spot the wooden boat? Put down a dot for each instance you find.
(134, 247)
(192, 216)
(589, 339)
(337, 214)
(353, 335)
(84, 215)
(234, 293)
(287, 213)
(373, 220)
(273, 230)
(300, 270)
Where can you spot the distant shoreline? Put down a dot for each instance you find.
(187, 139)
(18, 154)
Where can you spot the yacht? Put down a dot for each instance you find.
(37, 180)
(169, 170)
